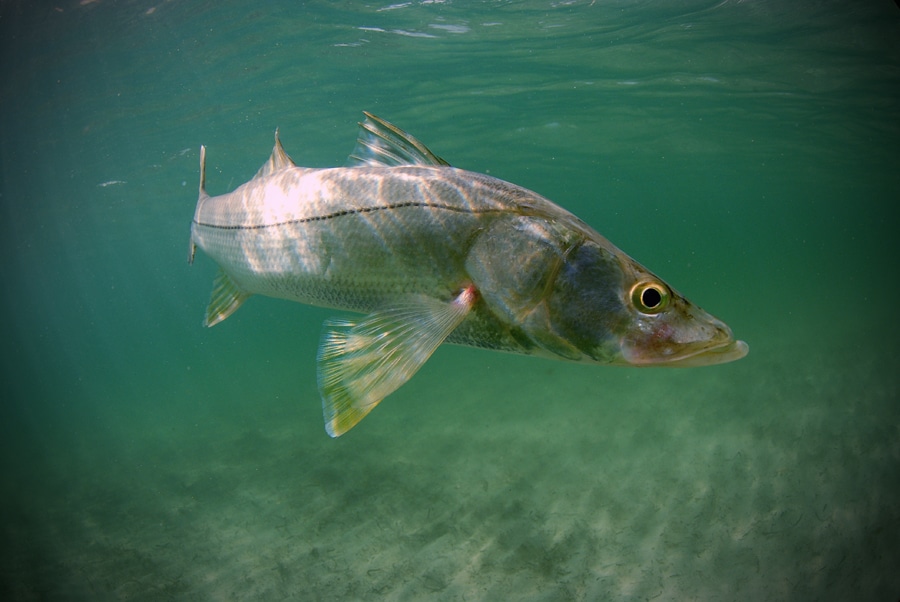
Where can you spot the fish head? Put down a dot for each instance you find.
(666, 329)
(618, 312)
(577, 297)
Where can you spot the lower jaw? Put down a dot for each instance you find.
(729, 352)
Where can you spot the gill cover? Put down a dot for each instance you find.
(562, 290)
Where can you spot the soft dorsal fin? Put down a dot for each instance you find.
(278, 160)
(383, 144)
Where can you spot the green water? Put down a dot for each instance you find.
(744, 151)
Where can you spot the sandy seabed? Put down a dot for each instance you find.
(491, 477)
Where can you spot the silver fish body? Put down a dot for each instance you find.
(432, 253)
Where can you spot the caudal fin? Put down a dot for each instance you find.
(193, 248)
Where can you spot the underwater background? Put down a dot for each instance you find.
(745, 151)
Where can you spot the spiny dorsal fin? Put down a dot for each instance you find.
(383, 144)
(278, 160)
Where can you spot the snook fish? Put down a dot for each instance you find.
(431, 254)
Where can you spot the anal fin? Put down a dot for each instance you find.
(227, 297)
(361, 363)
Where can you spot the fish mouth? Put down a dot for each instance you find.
(728, 351)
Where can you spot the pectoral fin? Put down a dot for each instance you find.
(361, 363)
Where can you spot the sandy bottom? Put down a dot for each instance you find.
(488, 478)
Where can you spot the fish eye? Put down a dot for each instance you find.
(649, 297)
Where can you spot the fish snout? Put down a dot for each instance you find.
(683, 339)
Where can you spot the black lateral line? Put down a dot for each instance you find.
(344, 213)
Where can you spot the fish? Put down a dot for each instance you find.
(429, 253)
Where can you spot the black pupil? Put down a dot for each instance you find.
(651, 297)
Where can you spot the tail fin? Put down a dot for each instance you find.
(203, 171)
(193, 250)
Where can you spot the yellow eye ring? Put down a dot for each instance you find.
(650, 297)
